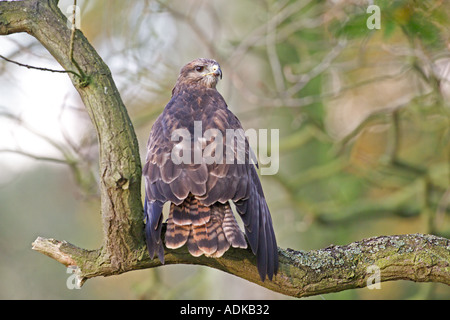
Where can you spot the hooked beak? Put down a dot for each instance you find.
(216, 71)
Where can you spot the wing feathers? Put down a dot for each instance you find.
(153, 213)
(258, 228)
(180, 188)
(231, 228)
(200, 216)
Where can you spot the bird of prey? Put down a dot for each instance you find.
(200, 191)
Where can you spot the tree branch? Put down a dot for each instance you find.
(36, 68)
(415, 257)
(336, 268)
(120, 167)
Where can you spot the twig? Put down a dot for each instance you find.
(61, 148)
(272, 54)
(72, 35)
(303, 79)
(84, 79)
(35, 157)
(38, 68)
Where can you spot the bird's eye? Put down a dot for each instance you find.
(199, 68)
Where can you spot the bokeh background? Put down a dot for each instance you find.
(363, 117)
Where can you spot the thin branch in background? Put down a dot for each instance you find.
(37, 68)
(47, 139)
(83, 168)
(82, 76)
(194, 26)
(69, 141)
(274, 61)
(303, 79)
(72, 155)
(260, 33)
(262, 102)
(19, 50)
(33, 156)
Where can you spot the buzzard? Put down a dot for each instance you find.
(200, 190)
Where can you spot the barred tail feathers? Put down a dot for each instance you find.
(206, 230)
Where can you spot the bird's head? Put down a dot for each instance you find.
(200, 72)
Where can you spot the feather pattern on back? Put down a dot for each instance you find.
(200, 214)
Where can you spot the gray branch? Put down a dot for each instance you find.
(414, 257)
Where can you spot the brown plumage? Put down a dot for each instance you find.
(200, 190)
(206, 230)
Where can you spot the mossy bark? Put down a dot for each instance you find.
(414, 257)
(119, 163)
